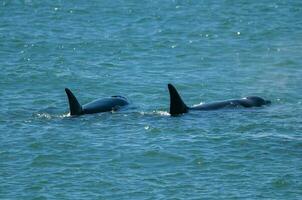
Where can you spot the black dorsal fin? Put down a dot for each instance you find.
(177, 106)
(74, 106)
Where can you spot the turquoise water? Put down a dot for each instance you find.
(210, 50)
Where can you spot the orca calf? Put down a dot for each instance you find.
(100, 105)
(177, 106)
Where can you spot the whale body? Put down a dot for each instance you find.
(177, 106)
(100, 105)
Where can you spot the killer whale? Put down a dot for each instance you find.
(177, 105)
(100, 105)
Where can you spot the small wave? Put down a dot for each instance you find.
(161, 154)
(156, 112)
(45, 160)
(64, 115)
(49, 116)
(274, 135)
(43, 116)
(162, 113)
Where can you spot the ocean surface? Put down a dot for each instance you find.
(210, 50)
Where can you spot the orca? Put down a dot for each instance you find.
(177, 105)
(108, 104)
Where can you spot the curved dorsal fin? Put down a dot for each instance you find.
(177, 106)
(74, 106)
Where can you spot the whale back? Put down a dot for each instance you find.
(105, 104)
(177, 106)
(74, 106)
(258, 101)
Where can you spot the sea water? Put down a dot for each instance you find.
(210, 50)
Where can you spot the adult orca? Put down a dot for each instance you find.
(177, 106)
(100, 105)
